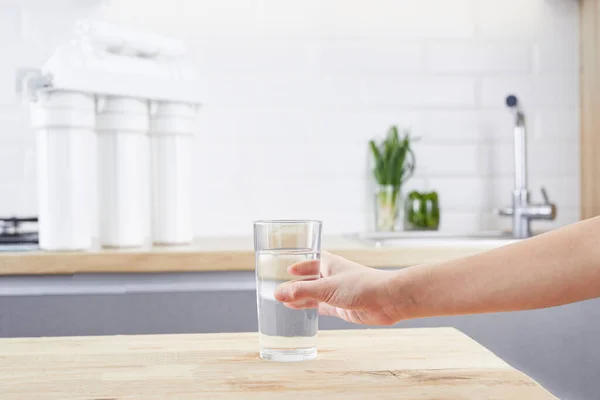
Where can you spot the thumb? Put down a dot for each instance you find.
(318, 289)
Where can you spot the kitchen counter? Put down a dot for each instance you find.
(431, 363)
(232, 254)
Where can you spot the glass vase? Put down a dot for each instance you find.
(388, 204)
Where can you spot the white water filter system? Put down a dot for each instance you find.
(122, 146)
(64, 122)
(138, 94)
(171, 131)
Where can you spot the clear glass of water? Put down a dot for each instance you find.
(284, 334)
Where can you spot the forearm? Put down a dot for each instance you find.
(556, 268)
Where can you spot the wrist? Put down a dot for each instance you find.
(406, 289)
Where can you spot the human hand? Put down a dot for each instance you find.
(347, 290)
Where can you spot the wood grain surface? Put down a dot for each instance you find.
(431, 363)
(221, 254)
(589, 84)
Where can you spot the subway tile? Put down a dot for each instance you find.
(511, 18)
(11, 199)
(10, 22)
(236, 55)
(460, 221)
(244, 125)
(369, 55)
(556, 56)
(493, 126)
(266, 88)
(302, 125)
(556, 125)
(501, 160)
(416, 183)
(561, 159)
(341, 223)
(491, 222)
(279, 197)
(462, 194)
(27, 195)
(381, 18)
(497, 125)
(309, 18)
(16, 128)
(541, 90)
(517, 19)
(295, 91)
(361, 125)
(467, 126)
(403, 18)
(18, 199)
(13, 163)
(51, 26)
(158, 17)
(7, 83)
(30, 161)
(478, 57)
(188, 18)
(554, 158)
(385, 90)
(451, 160)
(10, 18)
(269, 161)
(499, 192)
(562, 190)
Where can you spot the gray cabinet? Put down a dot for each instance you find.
(558, 346)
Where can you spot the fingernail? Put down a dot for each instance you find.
(280, 294)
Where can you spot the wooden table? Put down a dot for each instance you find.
(438, 363)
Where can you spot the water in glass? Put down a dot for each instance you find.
(285, 334)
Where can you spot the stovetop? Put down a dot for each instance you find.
(15, 237)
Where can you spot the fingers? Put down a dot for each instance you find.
(332, 264)
(326, 309)
(302, 304)
(291, 292)
(328, 265)
(305, 268)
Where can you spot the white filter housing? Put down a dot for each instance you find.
(171, 130)
(64, 122)
(111, 60)
(122, 137)
(125, 74)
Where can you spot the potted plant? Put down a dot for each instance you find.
(394, 164)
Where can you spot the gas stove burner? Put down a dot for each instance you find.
(10, 231)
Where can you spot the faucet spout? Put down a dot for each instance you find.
(520, 143)
(522, 211)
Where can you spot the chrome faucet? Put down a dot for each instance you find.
(522, 212)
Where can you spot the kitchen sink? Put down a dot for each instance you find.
(484, 235)
(435, 238)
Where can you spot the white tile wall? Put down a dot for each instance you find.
(473, 57)
(295, 89)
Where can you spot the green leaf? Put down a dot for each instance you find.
(393, 166)
(375, 151)
(395, 135)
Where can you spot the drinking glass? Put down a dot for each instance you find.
(284, 334)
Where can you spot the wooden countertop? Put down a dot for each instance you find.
(432, 363)
(230, 254)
